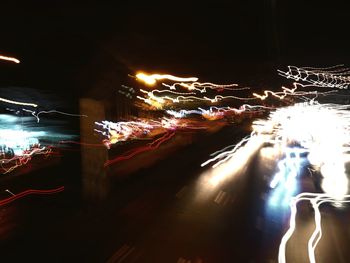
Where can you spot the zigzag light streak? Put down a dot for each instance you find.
(212, 113)
(202, 87)
(8, 165)
(331, 77)
(153, 99)
(215, 112)
(198, 90)
(36, 114)
(140, 129)
(291, 92)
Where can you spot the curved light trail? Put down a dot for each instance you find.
(11, 59)
(30, 192)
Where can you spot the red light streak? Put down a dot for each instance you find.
(30, 192)
(83, 143)
(18, 161)
(153, 145)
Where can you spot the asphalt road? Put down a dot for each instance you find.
(174, 211)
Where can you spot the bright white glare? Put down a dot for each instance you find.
(19, 140)
(321, 130)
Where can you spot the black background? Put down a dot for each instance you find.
(70, 47)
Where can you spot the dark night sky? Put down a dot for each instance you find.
(71, 46)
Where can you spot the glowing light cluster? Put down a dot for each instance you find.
(305, 132)
(321, 130)
(20, 142)
(17, 147)
(330, 77)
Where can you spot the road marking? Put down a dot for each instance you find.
(337, 245)
(7, 190)
(259, 223)
(121, 254)
(182, 260)
(223, 198)
(180, 193)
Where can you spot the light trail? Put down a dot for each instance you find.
(288, 167)
(195, 91)
(160, 101)
(161, 98)
(293, 92)
(83, 143)
(331, 77)
(36, 114)
(151, 146)
(20, 142)
(320, 130)
(153, 78)
(10, 164)
(128, 130)
(224, 155)
(30, 192)
(284, 184)
(214, 113)
(11, 59)
(316, 199)
(202, 87)
(18, 102)
(140, 129)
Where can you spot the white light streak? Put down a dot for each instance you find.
(18, 102)
(11, 59)
(331, 77)
(37, 114)
(316, 199)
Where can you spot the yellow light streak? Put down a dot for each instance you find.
(18, 102)
(152, 79)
